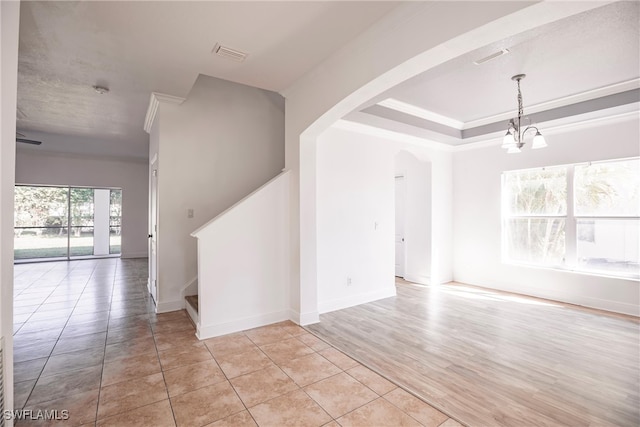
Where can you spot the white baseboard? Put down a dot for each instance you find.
(294, 316)
(134, 255)
(339, 304)
(608, 305)
(581, 300)
(192, 313)
(421, 280)
(210, 331)
(309, 318)
(304, 319)
(165, 307)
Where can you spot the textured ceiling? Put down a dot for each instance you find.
(136, 47)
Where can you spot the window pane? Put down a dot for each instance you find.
(536, 240)
(40, 206)
(536, 192)
(115, 208)
(609, 245)
(114, 240)
(81, 241)
(115, 221)
(40, 222)
(608, 189)
(82, 207)
(39, 242)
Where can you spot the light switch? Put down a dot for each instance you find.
(189, 213)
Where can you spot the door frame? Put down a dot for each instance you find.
(152, 281)
(401, 175)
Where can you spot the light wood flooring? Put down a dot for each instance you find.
(494, 359)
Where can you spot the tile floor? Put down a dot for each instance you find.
(87, 340)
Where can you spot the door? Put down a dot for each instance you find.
(153, 231)
(399, 239)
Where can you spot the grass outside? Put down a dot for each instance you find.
(27, 247)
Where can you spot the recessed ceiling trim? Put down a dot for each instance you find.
(571, 110)
(412, 110)
(386, 118)
(367, 129)
(560, 102)
(418, 122)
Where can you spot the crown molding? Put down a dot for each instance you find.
(560, 102)
(410, 109)
(154, 101)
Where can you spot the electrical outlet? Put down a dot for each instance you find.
(348, 281)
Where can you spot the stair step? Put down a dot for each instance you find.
(193, 301)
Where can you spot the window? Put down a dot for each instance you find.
(607, 212)
(583, 217)
(66, 222)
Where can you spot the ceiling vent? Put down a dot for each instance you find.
(227, 52)
(492, 56)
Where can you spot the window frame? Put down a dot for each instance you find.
(570, 259)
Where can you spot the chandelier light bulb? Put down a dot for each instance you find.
(538, 141)
(508, 140)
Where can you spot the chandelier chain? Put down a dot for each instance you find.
(520, 111)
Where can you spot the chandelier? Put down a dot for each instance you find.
(514, 139)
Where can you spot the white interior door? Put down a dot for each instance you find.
(400, 226)
(153, 231)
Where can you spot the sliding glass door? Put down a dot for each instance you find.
(66, 222)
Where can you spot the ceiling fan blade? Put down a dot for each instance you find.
(28, 141)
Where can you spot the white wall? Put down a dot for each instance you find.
(222, 143)
(41, 167)
(356, 168)
(355, 217)
(243, 263)
(9, 30)
(477, 217)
